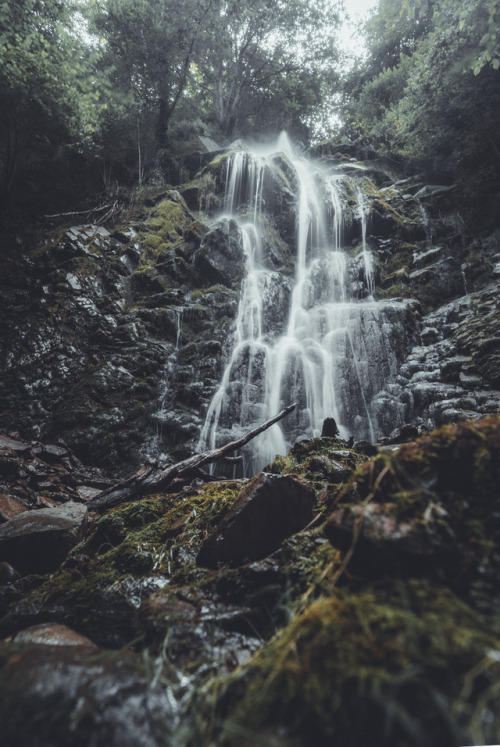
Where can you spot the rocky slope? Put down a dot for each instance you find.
(115, 338)
(334, 597)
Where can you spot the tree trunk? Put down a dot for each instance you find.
(162, 123)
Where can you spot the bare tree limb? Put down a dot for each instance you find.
(150, 479)
(79, 212)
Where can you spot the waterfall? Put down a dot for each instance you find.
(336, 349)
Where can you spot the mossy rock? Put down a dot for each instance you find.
(130, 552)
(380, 667)
(323, 459)
(432, 508)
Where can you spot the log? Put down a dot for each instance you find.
(150, 479)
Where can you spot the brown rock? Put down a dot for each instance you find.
(51, 634)
(385, 543)
(269, 509)
(86, 493)
(9, 507)
(45, 502)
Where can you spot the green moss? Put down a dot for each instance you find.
(298, 460)
(309, 564)
(389, 664)
(444, 489)
(148, 537)
(151, 241)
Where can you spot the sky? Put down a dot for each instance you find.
(358, 10)
(359, 6)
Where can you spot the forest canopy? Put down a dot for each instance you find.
(96, 92)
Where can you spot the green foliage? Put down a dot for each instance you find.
(262, 61)
(431, 86)
(48, 99)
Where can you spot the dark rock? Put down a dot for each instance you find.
(191, 196)
(220, 259)
(365, 447)
(38, 541)
(387, 543)
(403, 434)
(7, 573)
(270, 509)
(74, 699)
(330, 428)
(52, 453)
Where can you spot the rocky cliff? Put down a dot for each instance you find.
(116, 338)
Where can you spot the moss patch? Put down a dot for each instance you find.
(391, 664)
(156, 537)
(434, 500)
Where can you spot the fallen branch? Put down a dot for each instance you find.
(150, 479)
(79, 212)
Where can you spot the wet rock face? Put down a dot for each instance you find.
(75, 700)
(94, 324)
(220, 258)
(116, 338)
(451, 375)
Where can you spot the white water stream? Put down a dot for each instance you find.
(335, 350)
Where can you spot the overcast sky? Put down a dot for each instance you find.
(359, 6)
(358, 10)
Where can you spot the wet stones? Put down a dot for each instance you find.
(220, 259)
(77, 699)
(38, 541)
(269, 509)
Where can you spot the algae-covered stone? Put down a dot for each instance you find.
(431, 507)
(379, 667)
(130, 553)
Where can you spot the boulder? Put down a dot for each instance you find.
(52, 694)
(38, 541)
(51, 634)
(220, 259)
(269, 509)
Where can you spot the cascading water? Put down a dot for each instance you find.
(336, 350)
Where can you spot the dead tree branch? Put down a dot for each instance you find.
(150, 479)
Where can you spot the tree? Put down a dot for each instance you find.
(437, 98)
(47, 100)
(148, 48)
(258, 52)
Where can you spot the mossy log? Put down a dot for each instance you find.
(149, 479)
